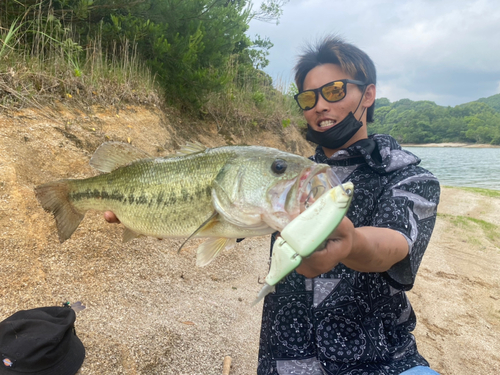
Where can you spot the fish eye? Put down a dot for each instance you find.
(279, 166)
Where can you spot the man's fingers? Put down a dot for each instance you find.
(110, 217)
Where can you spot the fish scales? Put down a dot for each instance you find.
(174, 191)
(222, 193)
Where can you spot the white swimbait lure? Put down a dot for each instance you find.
(307, 233)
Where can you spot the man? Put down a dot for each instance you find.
(344, 310)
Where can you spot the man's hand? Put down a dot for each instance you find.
(338, 247)
(363, 249)
(110, 217)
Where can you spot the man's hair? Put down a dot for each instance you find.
(333, 50)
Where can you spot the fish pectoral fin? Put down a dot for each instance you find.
(203, 225)
(112, 155)
(129, 235)
(209, 249)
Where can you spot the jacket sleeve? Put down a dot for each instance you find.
(408, 204)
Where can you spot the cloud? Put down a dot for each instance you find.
(447, 51)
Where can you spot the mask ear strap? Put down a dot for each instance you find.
(360, 100)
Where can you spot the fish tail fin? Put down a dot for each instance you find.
(53, 197)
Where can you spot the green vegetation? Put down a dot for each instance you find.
(491, 230)
(190, 54)
(470, 226)
(493, 101)
(426, 122)
(486, 192)
(193, 55)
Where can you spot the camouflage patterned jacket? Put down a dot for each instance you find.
(349, 322)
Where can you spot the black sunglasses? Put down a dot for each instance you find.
(332, 92)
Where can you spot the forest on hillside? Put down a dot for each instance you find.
(426, 122)
(188, 45)
(196, 54)
(192, 55)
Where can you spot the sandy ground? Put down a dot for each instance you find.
(151, 311)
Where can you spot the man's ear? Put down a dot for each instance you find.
(369, 97)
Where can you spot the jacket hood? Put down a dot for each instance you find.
(380, 151)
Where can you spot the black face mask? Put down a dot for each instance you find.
(336, 136)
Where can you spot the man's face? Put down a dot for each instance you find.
(326, 115)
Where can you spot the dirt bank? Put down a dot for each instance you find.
(151, 311)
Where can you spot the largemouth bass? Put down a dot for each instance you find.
(221, 193)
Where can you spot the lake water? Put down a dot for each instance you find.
(458, 166)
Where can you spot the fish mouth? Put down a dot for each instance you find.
(312, 183)
(290, 198)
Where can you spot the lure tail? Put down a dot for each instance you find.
(266, 289)
(53, 197)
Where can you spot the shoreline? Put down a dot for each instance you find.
(476, 189)
(450, 144)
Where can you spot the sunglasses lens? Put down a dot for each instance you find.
(334, 92)
(306, 99)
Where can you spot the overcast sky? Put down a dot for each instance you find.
(447, 51)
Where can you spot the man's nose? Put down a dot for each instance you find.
(322, 105)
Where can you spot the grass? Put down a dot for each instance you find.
(491, 230)
(56, 68)
(470, 226)
(7, 37)
(42, 63)
(250, 101)
(486, 192)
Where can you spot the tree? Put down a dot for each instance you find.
(424, 121)
(188, 44)
(270, 11)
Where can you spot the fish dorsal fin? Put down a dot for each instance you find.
(191, 148)
(203, 225)
(112, 155)
(209, 249)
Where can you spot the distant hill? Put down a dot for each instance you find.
(493, 101)
(426, 122)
